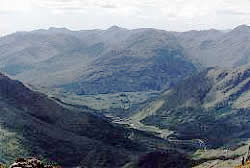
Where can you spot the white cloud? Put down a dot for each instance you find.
(177, 15)
(178, 8)
(15, 5)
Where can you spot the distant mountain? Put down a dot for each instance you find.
(217, 48)
(118, 59)
(213, 106)
(95, 61)
(34, 125)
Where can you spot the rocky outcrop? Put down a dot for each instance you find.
(30, 163)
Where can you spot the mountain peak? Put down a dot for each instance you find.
(242, 28)
(55, 29)
(115, 28)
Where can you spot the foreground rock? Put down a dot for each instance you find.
(30, 163)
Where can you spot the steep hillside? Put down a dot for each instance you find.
(34, 125)
(213, 106)
(169, 159)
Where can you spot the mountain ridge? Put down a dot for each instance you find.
(91, 61)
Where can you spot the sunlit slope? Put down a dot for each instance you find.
(213, 105)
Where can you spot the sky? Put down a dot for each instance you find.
(171, 15)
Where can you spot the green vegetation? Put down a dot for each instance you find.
(203, 107)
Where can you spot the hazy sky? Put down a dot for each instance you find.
(178, 15)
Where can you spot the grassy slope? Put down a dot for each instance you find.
(207, 106)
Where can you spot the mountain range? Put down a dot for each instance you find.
(195, 85)
(118, 59)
